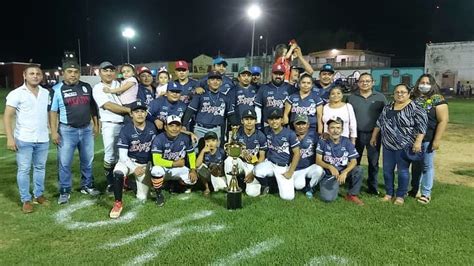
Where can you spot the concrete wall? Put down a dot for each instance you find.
(394, 76)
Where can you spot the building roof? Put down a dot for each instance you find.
(335, 52)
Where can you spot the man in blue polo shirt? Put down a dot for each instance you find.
(73, 107)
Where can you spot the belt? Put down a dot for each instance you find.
(280, 164)
(138, 161)
(113, 122)
(207, 126)
(74, 126)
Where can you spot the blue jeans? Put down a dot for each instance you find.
(363, 141)
(329, 186)
(28, 153)
(83, 140)
(392, 158)
(423, 172)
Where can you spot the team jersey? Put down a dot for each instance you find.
(244, 98)
(172, 149)
(253, 143)
(269, 96)
(227, 84)
(145, 95)
(280, 145)
(323, 92)
(160, 108)
(211, 108)
(216, 158)
(187, 89)
(308, 150)
(306, 106)
(337, 155)
(74, 103)
(137, 142)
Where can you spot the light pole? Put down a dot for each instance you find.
(253, 12)
(128, 33)
(258, 45)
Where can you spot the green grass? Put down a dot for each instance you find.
(466, 172)
(460, 111)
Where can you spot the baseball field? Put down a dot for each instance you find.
(192, 229)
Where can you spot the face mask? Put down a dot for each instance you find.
(424, 88)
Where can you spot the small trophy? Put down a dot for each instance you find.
(234, 192)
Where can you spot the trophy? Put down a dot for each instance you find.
(234, 192)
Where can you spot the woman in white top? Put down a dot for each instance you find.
(337, 108)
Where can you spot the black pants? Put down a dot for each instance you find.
(373, 153)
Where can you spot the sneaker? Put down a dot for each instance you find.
(27, 207)
(160, 199)
(264, 190)
(354, 199)
(64, 198)
(116, 210)
(309, 194)
(90, 191)
(188, 190)
(41, 200)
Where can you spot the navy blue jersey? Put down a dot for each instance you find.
(244, 98)
(160, 108)
(306, 106)
(269, 96)
(227, 84)
(253, 143)
(74, 103)
(308, 150)
(216, 158)
(280, 145)
(172, 149)
(187, 89)
(145, 95)
(211, 108)
(323, 93)
(337, 155)
(137, 142)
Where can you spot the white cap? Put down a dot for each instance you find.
(173, 118)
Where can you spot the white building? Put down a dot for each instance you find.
(450, 62)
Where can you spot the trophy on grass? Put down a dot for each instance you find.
(234, 192)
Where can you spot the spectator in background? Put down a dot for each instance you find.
(256, 76)
(162, 78)
(284, 56)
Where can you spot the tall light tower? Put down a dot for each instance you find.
(254, 13)
(128, 33)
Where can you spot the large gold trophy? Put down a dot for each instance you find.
(234, 192)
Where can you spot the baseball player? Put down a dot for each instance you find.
(304, 102)
(307, 173)
(256, 76)
(282, 156)
(325, 82)
(338, 156)
(244, 93)
(211, 109)
(111, 114)
(219, 65)
(210, 162)
(187, 85)
(146, 90)
(134, 146)
(255, 146)
(169, 151)
(168, 104)
(272, 94)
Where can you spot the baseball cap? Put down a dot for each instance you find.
(137, 105)
(256, 70)
(300, 69)
(172, 86)
(244, 70)
(409, 155)
(181, 64)
(214, 74)
(301, 118)
(106, 64)
(70, 64)
(162, 69)
(219, 60)
(335, 119)
(275, 113)
(327, 68)
(143, 69)
(210, 135)
(278, 68)
(173, 119)
(249, 113)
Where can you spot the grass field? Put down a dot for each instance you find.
(191, 229)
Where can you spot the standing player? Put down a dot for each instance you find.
(146, 90)
(254, 153)
(187, 85)
(219, 65)
(325, 83)
(134, 155)
(256, 76)
(272, 94)
(166, 105)
(169, 151)
(307, 173)
(244, 93)
(282, 156)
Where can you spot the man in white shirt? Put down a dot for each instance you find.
(111, 114)
(30, 140)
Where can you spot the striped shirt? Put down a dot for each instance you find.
(399, 128)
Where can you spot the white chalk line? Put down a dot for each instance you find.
(249, 252)
(330, 259)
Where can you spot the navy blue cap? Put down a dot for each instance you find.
(214, 74)
(137, 105)
(249, 113)
(173, 86)
(327, 68)
(275, 113)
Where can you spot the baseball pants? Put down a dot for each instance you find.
(313, 172)
(143, 181)
(266, 169)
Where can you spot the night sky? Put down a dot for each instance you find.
(171, 30)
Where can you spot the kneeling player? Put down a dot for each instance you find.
(282, 156)
(254, 152)
(169, 151)
(210, 163)
(134, 147)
